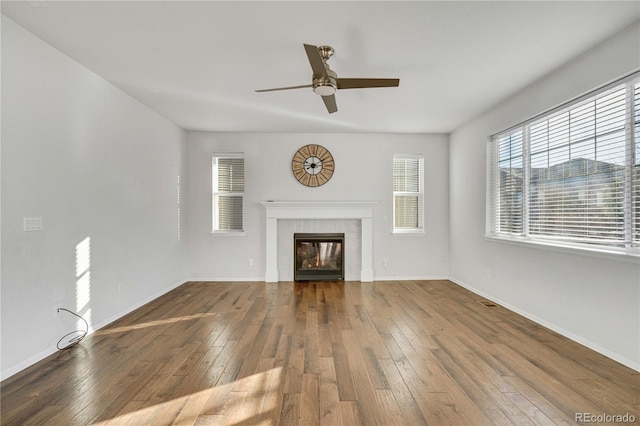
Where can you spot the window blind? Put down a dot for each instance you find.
(576, 184)
(572, 175)
(509, 191)
(407, 192)
(228, 193)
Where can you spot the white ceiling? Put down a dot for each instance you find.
(198, 63)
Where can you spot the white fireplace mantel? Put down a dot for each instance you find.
(279, 210)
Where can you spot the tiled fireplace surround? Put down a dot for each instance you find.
(284, 218)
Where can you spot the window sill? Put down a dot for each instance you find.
(580, 250)
(228, 233)
(409, 232)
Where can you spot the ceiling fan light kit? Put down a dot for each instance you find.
(325, 81)
(325, 85)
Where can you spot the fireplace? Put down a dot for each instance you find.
(278, 211)
(318, 257)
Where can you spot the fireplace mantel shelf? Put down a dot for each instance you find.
(304, 203)
(278, 210)
(319, 209)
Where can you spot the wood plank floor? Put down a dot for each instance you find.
(320, 353)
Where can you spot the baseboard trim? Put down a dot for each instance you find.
(226, 279)
(410, 278)
(576, 338)
(27, 363)
(48, 352)
(569, 335)
(132, 308)
(375, 278)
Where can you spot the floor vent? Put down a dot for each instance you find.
(487, 304)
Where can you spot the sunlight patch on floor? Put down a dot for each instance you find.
(249, 400)
(116, 330)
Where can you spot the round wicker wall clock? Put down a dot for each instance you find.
(312, 165)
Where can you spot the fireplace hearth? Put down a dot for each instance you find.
(318, 256)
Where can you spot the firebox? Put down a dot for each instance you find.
(318, 257)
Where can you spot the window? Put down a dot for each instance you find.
(408, 197)
(228, 192)
(572, 176)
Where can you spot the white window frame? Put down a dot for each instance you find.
(629, 245)
(216, 194)
(419, 194)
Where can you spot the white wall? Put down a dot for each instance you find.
(363, 173)
(594, 300)
(93, 163)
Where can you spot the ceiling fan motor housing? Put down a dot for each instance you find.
(325, 85)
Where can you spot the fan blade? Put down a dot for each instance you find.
(363, 83)
(284, 88)
(330, 103)
(315, 60)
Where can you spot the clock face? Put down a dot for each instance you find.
(312, 165)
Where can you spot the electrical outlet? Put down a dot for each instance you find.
(385, 262)
(30, 224)
(250, 261)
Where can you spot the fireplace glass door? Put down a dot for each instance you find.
(318, 257)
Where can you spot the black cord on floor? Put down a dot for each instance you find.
(78, 335)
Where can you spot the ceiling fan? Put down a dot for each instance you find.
(325, 82)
